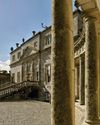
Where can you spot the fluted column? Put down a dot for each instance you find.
(62, 99)
(91, 77)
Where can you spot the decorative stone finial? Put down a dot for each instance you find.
(17, 44)
(76, 4)
(11, 49)
(23, 40)
(33, 32)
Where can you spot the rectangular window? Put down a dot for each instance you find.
(48, 73)
(28, 67)
(35, 44)
(13, 58)
(47, 40)
(18, 55)
(13, 77)
(18, 76)
(37, 75)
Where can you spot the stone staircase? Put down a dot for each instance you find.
(45, 93)
(11, 88)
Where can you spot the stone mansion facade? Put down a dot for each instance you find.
(32, 59)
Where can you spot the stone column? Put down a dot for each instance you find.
(99, 73)
(81, 81)
(62, 89)
(76, 79)
(91, 73)
(32, 71)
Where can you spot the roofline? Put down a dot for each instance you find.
(25, 42)
(49, 27)
(15, 49)
(30, 38)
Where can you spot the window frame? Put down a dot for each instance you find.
(13, 58)
(47, 77)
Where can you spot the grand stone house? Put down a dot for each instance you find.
(86, 62)
(31, 61)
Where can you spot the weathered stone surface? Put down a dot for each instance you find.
(91, 73)
(82, 81)
(62, 64)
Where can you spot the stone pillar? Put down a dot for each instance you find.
(91, 73)
(62, 88)
(81, 81)
(99, 73)
(32, 71)
(76, 79)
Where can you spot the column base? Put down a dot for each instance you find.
(91, 122)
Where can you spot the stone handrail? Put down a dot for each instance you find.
(16, 86)
(5, 84)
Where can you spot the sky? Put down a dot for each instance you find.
(18, 18)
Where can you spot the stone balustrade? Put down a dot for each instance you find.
(14, 87)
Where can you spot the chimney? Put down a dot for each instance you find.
(33, 33)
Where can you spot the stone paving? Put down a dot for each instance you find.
(30, 113)
(79, 114)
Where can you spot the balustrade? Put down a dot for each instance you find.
(14, 87)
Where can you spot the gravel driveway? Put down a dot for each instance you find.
(30, 113)
(24, 113)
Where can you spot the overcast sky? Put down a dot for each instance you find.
(18, 18)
